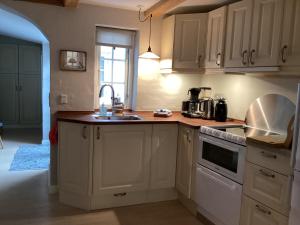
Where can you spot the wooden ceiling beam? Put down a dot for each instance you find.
(162, 7)
(70, 3)
(49, 2)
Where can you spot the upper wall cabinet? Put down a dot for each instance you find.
(254, 41)
(265, 34)
(238, 34)
(183, 42)
(290, 45)
(216, 38)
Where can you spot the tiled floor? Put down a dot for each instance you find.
(24, 199)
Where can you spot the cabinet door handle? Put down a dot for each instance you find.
(268, 155)
(251, 57)
(199, 60)
(98, 133)
(84, 132)
(244, 54)
(17, 88)
(120, 194)
(263, 210)
(266, 174)
(218, 57)
(283, 51)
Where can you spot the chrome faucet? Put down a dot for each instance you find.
(112, 93)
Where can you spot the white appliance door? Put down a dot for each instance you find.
(219, 196)
(295, 204)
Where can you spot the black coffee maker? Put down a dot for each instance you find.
(190, 108)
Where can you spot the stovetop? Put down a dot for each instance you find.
(236, 134)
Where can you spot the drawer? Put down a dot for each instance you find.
(273, 159)
(268, 187)
(255, 213)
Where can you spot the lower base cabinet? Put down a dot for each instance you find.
(255, 213)
(116, 165)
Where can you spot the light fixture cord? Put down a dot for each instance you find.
(143, 20)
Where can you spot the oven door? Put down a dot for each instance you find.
(222, 156)
(218, 198)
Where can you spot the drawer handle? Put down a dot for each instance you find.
(263, 210)
(252, 57)
(266, 174)
(98, 133)
(283, 51)
(244, 55)
(120, 194)
(84, 132)
(218, 57)
(268, 155)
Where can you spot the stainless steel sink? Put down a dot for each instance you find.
(118, 118)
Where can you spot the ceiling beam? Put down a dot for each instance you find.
(50, 2)
(162, 7)
(70, 3)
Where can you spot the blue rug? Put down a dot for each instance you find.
(31, 157)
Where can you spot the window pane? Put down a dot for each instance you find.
(119, 71)
(106, 52)
(119, 91)
(107, 75)
(120, 53)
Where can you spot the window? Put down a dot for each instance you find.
(115, 63)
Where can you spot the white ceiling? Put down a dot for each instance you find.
(122, 4)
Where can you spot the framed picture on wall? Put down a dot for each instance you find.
(72, 60)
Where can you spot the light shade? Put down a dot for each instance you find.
(149, 55)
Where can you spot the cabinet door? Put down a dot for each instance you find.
(75, 158)
(268, 187)
(290, 45)
(184, 160)
(163, 156)
(9, 99)
(8, 59)
(30, 60)
(265, 35)
(215, 38)
(122, 158)
(190, 41)
(30, 100)
(238, 34)
(254, 213)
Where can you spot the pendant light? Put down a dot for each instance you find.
(148, 54)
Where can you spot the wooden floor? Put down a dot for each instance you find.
(33, 206)
(24, 199)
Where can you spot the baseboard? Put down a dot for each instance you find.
(45, 142)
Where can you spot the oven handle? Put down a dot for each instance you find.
(219, 144)
(232, 187)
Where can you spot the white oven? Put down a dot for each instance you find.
(222, 156)
(219, 178)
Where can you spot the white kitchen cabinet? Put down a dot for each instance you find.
(163, 156)
(216, 38)
(183, 42)
(255, 213)
(75, 157)
(121, 159)
(184, 160)
(238, 34)
(290, 44)
(265, 34)
(268, 187)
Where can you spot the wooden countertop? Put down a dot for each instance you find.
(88, 118)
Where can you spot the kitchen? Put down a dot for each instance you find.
(241, 85)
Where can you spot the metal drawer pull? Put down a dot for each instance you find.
(98, 133)
(266, 173)
(245, 54)
(120, 194)
(268, 155)
(251, 56)
(199, 60)
(263, 210)
(84, 132)
(218, 61)
(283, 58)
